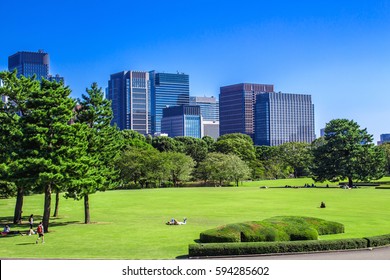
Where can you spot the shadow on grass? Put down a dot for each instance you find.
(25, 226)
(26, 243)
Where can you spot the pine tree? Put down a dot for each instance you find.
(103, 146)
(12, 154)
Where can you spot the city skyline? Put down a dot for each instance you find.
(336, 51)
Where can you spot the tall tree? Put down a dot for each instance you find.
(103, 146)
(270, 163)
(297, 155)
(180, 166)
(223, 168)
(386, 149)
(136, 165)
(47, 138)
(238, 144)
(132, 138)
(210, 141)
(12, 153)
(194, 147)
(237, 169)
(346, 152)
(167, 144)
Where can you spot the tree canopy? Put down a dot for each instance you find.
(346, 152)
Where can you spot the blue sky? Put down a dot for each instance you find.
(337, 51)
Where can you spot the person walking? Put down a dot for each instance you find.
(41, 233)
(31, 222)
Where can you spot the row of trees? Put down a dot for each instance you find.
(51, 143)
(48, 145)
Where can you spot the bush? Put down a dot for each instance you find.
(223, 249)
(323, 227)
(380, 240)
(284, 228)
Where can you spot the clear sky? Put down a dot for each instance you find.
(337, 51)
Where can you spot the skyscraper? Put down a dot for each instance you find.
(28, 64)
(283, 117)
(184, 120)
(129, 92)
(384, 138)
(167, 90)
(209, 108)
(236, 107)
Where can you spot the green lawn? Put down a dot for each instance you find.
(130, 224)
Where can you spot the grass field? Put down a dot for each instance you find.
(130, 224)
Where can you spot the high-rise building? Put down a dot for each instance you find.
(209, 108)
(236, 107)
(283, 117)
(29, 64)
(184, 120)
(167, 90)
(129, 92)
(384, 138)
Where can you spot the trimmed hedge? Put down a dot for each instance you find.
(281, 228)
(379, 240)
(224, 249)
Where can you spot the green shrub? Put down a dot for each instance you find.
(284, 228)
(380, 240)
(323, 227)
(223, 249)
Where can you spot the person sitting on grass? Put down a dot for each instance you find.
(174, 222)
(7, 231)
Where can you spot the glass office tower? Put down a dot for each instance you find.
(129, 92)
(236, 107)
(29, 64)
(184, 120)
(283, 117)
(209, 107)
(167, 90)
(384, 138)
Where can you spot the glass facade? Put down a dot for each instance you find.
(129, 92)
(185, 120)
(283, 117)
(385, 138)
(167, 90)
(30, 63)
(209, 107)
(236, 107)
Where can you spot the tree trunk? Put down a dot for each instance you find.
(19, 206)
(47, 208)
(57, 204)
(86, 210)
(350, 182)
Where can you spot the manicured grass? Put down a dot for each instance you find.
(130, 224)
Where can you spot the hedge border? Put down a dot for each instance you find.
(262, 248)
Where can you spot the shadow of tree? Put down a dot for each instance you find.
(25, 226)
